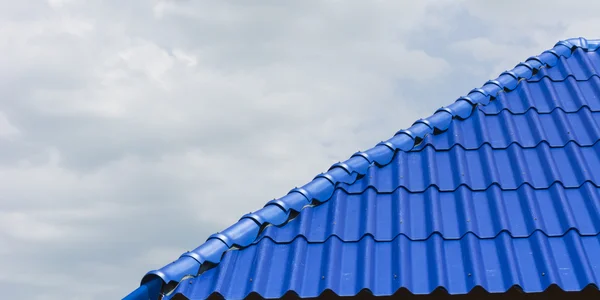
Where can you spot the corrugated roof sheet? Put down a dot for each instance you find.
(528, 130)
(500, 190)
(510, 168)
(417, 216)
(272, 269)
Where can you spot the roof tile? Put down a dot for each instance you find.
(570, 261)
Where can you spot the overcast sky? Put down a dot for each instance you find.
(132, 130)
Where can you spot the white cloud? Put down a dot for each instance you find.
(189, 60)
(58, 3)
(148, 59)
(7, 130)
(27, 226)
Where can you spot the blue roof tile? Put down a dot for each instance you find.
(581, 65)
(546, 96)
(500, 188)
(271, 269)
(417, 216)
(527, 130)
(509, 168)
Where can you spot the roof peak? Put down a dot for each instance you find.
(322, 187)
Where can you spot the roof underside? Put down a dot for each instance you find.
(500, 196)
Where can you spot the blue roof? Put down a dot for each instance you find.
(499, 189)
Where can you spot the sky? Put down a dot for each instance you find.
(132, 130)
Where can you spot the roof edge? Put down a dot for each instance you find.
(321, 188)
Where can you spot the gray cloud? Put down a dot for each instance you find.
(130, 132)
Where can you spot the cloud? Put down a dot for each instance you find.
(129, 133)
(7, 130)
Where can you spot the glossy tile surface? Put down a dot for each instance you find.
(272, 269)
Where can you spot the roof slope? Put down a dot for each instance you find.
(498, 189)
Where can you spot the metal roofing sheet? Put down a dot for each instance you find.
(521, 208)
(272, 269)
(451, 214)
(582, 65)
(527, 130)
(509, 168)
(545, 96)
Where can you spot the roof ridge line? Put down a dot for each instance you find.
(321, 188)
